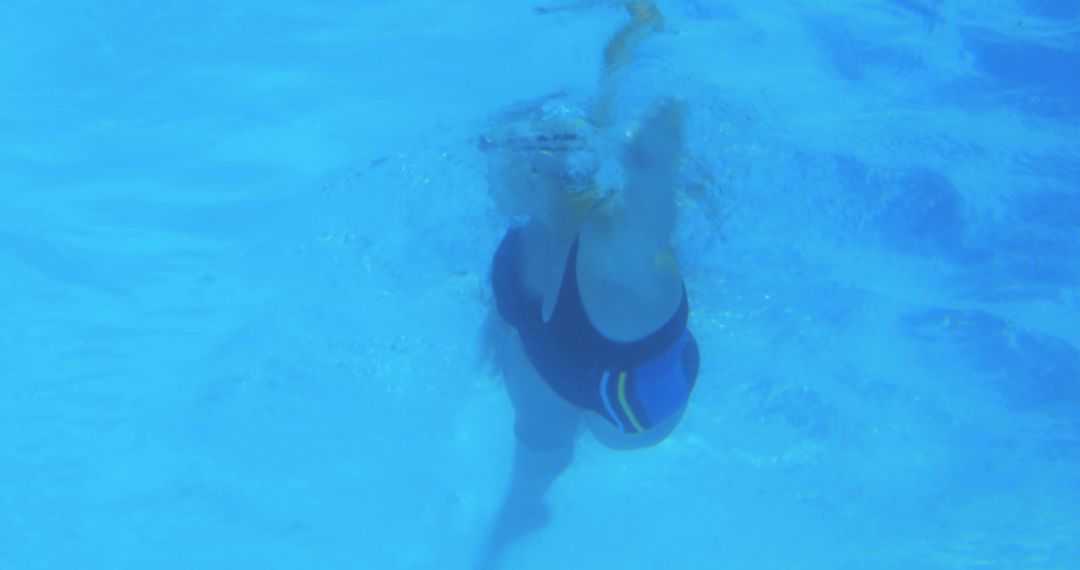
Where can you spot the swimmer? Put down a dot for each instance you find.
(588, 284)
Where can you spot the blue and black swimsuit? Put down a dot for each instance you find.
(635, 385)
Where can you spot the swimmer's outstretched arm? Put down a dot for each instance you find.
(631, 244)
(645, 19)
(636, 233)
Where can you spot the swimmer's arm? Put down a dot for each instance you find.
(628, 255)
(645, 19)
(637, 232)
(651, 163)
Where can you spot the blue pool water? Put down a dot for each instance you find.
(243, 255)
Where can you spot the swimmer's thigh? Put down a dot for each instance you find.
(543, 420)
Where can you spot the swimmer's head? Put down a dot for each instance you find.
(553, 166)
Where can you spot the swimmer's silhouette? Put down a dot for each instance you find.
(589, 284)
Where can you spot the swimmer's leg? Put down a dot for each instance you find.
(524, 510)
(545, 430)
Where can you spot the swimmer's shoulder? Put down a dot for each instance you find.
(630, 282)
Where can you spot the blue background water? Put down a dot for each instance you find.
(243, 250)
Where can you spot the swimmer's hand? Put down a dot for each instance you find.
(645, 13)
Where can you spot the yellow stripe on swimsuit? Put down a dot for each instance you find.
(626, 405)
